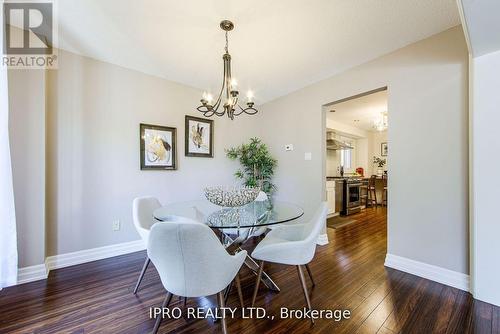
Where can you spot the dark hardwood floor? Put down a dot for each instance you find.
(97, 297)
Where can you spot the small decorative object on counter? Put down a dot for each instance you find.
(231, 196)
(380, 163)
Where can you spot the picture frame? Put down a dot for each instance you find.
(158, 147)
(198, 137)
(383, 149)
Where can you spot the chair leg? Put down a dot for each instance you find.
(259, 276)
(144, 267)
(310, 275)
(166, 302)
(304, 288)
(227, 291)
(238, 287)
(220, 300)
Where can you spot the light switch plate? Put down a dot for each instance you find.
(289, 147)
(308, 156)
(116, 225)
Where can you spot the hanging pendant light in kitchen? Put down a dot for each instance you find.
(381, 124)
(228, 96)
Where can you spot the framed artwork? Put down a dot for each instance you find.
(158, 147)
(383, 149)
(199, 137)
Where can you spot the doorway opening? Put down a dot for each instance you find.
(356, 157)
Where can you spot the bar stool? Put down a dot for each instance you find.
(384, 193)
(372, 192)
(363, 193)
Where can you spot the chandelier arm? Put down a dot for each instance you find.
(248, 111)
(216, 105)
(205, 111)
(219, 98)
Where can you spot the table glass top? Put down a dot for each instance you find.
(251, 215)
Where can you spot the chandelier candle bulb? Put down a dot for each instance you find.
(249, 96)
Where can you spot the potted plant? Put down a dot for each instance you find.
(257, 165)
(380, 163)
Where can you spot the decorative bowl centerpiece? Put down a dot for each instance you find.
(231, 196)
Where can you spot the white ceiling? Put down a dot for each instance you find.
(483, 25)
(277, 46)
(360, 112)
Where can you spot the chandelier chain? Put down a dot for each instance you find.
(227, 44)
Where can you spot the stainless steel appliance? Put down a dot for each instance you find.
(348, 196)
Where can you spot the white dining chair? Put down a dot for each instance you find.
(292, 245)
(142, 214)
(192, 262)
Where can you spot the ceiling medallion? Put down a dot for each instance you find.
(228, 96)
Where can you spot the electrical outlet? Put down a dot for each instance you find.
(116, 225)
(289, 147)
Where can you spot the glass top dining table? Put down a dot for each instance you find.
(252, 215)
(244, 220)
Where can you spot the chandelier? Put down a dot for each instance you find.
(228, 96)
(381, 124)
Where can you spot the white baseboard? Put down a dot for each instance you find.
(41, 271)
(428, 271)
(322, 239)
(93, 254)
(32, 273)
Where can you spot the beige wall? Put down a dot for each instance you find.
(428, 187)
(92, 152)
(94, 112)
(363, 158)
(27, 142)
(486, 147)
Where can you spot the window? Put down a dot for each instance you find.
(346, 158)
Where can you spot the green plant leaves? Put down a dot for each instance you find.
(257, 164)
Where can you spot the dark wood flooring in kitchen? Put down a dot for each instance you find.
(97, 297)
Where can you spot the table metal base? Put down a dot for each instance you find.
(233, 246)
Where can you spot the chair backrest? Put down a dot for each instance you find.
(142, 213)
(372, 181)
(190, 259)
(317, 223)
(305, 252)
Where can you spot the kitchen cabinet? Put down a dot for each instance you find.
(330, 196)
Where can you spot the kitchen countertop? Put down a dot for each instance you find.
(333, 178)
